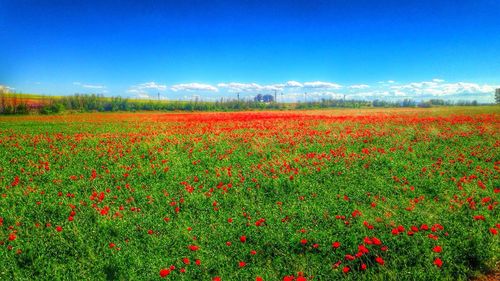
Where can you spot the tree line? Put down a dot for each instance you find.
(19, 104)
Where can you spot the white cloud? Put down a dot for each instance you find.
(322, 85)
(133, 91)
(274, 87)
(89, 86)
(294, 84)
(194, 87)
(399, 93)
(152, 86)
(360, 86)
(466, 88)
(370, 94)
(436, 88)
(145, 88)
(316, 90)
(241, 87)
(387, 82)
(143, 96)
(324, 94)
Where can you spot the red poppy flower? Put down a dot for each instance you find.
(242, 264)
(164, 273)
(243, 238)
(437, 249)
(380, 260)
(367, 240)
(363, 249)
(336, 245)
(59, 228)
(345, 269)
(350, 257)
(438, 262)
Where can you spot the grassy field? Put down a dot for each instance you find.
(372, 194)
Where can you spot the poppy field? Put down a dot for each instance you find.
(407, 194)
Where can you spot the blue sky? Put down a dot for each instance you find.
(212, 49)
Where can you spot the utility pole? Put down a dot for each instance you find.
(158, 96)
(238, 97)
(305, 97)
(275, 98)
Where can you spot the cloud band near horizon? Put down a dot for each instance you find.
(292, 91)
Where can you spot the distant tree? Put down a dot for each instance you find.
(424, 104)
(437, 102)
(13, 101)
(378, 103)
(264, 98)
(3, 99)
(268, 98)
(408, 103)
(258, 98)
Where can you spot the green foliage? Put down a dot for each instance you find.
(53, 108)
